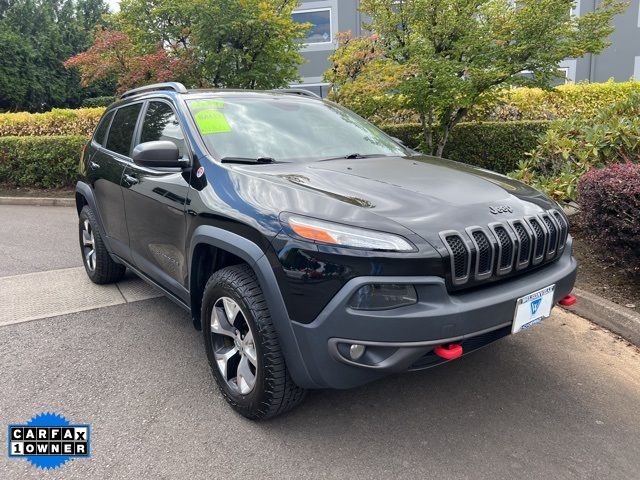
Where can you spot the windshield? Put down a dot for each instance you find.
(286, 128)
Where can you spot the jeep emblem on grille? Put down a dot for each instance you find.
(501, 209)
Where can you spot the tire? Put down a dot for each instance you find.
(273, 392)
(99, 265)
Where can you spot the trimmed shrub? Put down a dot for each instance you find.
(56, 122)
(42, 162)
(408, 133)
(584, 99)
(610, 201)
(377, 101)
(498, 146)
(98, 102)
(573, 146)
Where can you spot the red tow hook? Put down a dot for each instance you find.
(448, 352)
(568, 301)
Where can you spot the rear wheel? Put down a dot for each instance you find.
(242, 346)
(97, 261)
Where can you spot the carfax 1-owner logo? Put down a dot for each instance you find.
(49, 440)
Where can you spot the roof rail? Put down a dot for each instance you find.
(175, 86)
(297, 91)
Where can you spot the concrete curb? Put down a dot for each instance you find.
(40, 201)
(621, 320)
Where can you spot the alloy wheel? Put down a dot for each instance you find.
(88, 245)
(233, 346)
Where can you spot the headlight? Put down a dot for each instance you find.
(383, 296)
(345, 236)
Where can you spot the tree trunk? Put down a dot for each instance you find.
(427, 131)
(451, 122)
(443, 140)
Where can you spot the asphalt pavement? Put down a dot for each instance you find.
(37, 239)
(559, 401)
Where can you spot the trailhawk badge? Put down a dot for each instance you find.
(48, 440)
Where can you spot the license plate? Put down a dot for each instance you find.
(533, 308)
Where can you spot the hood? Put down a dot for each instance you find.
(423, 194)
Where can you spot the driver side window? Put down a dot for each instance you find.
(160, 123)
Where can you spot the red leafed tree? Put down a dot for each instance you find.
(113, 56)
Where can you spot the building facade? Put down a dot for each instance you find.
(328, 17)
(621, 61)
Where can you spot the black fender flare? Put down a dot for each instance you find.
(257, 260)
(86, 192)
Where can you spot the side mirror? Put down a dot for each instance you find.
(161, 153)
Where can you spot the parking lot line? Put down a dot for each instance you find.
(38, 295)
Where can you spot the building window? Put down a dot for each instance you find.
(636, 69)
(564, 76)
(320, 20)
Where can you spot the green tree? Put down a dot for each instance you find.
(16, 69)
(225, 43)
(248, 43)
(36, 36)
(452, 54)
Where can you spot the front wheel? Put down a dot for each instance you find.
(242, 346)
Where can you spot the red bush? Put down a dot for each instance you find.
(610, 201)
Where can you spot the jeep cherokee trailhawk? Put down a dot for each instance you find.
(312, 249)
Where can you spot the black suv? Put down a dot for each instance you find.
(312, 249)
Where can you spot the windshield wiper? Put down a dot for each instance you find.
(355, 155)
(248, 160)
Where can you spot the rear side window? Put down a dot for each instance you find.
(122, 129)
(101, 131)
(160, 123)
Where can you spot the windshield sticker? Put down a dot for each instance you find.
(208, 103)
(212, 121)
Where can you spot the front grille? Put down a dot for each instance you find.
(506, 248)
(485, 252)
(540, 239)
(564, 228)
(553, 235)
(460, 257)
(525, 243)
(482, 253)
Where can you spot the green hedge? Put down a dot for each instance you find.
(497, 146)
(52, 161)
(59, 121)
(43, 162)
(584, 99)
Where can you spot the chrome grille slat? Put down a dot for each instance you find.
(480, 253)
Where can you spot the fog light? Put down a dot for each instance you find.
(383, 296)
(356, 351)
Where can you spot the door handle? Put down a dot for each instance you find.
(130, 180)
(94, 165)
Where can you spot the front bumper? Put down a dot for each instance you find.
(403, 338)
